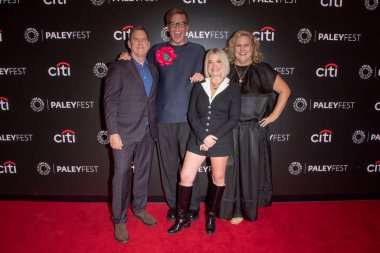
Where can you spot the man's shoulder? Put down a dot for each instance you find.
(196, 46)
(118, 64)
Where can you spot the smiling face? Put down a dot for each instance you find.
(243, 50)
(139, 44)
(177, 28)
(214, 66)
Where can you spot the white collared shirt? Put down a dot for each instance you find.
(207, 87)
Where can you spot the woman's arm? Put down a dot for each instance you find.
(283, 91)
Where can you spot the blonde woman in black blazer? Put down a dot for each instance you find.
(214, 110)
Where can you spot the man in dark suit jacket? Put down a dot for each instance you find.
(130, 112)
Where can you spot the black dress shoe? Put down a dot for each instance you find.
(194, 215)
(171, 214)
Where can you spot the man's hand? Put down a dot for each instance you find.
(115, 141)
(197, 77)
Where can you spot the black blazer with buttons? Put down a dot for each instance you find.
(217, 118)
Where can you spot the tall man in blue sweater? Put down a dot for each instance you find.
(177, 61)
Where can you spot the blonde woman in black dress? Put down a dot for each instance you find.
(263, 97)
(214, 110)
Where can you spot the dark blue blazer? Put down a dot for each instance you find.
(126, 104)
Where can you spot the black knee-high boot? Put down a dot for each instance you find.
(215, 196)
(183, 219)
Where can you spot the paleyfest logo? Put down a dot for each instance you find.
(44, 169)
(100, 69)
(103, 137)
(366, 71)
(295, 168)
(371, 4)
(253, 2)
(305, 35)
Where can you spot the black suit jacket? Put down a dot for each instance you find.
(126, 104)
(217, 118)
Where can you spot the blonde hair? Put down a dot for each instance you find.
(223, 57)
(257, 56)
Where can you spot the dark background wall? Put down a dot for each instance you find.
(53, 55)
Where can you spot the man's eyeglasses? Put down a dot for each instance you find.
(181, 24)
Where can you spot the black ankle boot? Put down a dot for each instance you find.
(216, 193)
(183, 219)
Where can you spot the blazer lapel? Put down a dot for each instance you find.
(154, 78)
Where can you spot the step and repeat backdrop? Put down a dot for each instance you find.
(54, 56)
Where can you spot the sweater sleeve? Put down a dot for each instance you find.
(234, 112)
(192, 115)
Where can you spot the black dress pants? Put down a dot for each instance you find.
(172, 140)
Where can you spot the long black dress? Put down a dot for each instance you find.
(249, 172)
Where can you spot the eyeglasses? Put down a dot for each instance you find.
(181, 24)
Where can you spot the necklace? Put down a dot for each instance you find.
(215, 85)
(241, 76)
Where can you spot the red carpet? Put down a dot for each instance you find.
(323, 227)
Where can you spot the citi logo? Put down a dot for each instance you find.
(265, 34)
(195, 1)
(324, 136)
(66, 136)
(329, 70)
(8, 167)
(332, 3)
(375, 167)
(61, 69)
(54, 2)
(124, 33)
(4, 104)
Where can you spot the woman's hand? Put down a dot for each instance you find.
(210, 140)
(197, 77)
(203, 147)
(266, 121)
(124, 56)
